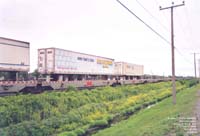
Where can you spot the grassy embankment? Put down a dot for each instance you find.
(74, 113)
(155, 121)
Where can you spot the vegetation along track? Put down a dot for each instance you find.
(163, 119)
(73, 113)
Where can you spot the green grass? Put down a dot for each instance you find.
(74, 112)
(155, 121)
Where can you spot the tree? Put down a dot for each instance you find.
(36, 74)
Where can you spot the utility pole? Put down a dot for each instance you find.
(199, 70)
(172, 49)
(195, 69)
(195, 72)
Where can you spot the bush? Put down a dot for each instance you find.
(57, 112)
(130, 110)
(99, 123)
(137, 108)
(146, 104)
(71, 88)
(182, 82)
(71, 134)
(192, 82)
(79, 132)
(3, 133)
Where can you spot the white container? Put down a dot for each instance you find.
(128, 69)
(14, 55)
(59, 61)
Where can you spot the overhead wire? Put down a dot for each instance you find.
(180, 24)
(184, 32)
(141, 5)
(143, 22)
(176, 49)
(188, 19)
(181, 28)
(165, 17)
(189, 25)
(180, 53)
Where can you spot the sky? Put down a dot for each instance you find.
(105, 28)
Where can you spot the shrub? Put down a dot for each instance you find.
(192, 82)
(79, 132)
(138, 107)
(71, 88)
(71, 134)
(99, 123)
(56, 112)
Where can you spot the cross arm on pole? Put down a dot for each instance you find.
(173, 6)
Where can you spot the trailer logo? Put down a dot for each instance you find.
(105, 63)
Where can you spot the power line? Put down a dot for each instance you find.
(165, 17)
(189, 26)
(143, 22)
(182, 31)
(181, 24)
(151, 28)
(179, 52)
(176, 49)
(188, 19)
(152, 15)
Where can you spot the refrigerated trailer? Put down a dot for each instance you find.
(128, 71)
(14, 55)
(66, 65)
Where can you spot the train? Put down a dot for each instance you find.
(60, 69)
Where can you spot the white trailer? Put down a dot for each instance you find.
(59, 61)
(14, 55)
(128, 69)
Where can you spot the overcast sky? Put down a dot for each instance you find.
(105, 28)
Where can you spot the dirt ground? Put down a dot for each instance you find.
(193, 121)
(196, 114)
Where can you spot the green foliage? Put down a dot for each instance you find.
(79, 132)
(68, 112)
(156, 120)
(71, 88)
(69, 134)
(192, 83)
(36, 74)
(99, 123)
(189, 83)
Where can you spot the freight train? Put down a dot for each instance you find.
(63, 68)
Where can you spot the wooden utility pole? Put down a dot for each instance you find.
(195, 71)
(195, 67)
(172, 49)
(199, 71)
